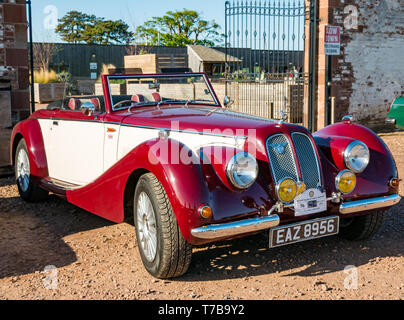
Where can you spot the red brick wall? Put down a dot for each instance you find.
(14, 72)
(369, 73)
(14, 55)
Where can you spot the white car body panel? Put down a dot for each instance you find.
(79, 152)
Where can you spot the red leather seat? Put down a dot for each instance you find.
(96, 103)
(156, 96)
(138, 98)
(74, 104)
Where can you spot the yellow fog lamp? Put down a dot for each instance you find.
(286, 190)
(301, 187)
(346, 181)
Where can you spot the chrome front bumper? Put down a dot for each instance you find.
(225, 230)
(228, 230)
(369, 204)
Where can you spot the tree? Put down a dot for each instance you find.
(77, 27)
(180, 28)
(107, 32)
(72, 26)
(43, 53)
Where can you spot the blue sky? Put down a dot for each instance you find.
(133, 12)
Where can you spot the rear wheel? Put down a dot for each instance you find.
(27, 189)
(164, 251)
(363, 227)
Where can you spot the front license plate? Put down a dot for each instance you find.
(303, 231)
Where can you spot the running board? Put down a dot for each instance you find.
(58, 187)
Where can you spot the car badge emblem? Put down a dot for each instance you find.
(284, 117)
(280, 148)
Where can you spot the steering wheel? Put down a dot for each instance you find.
(125, 101)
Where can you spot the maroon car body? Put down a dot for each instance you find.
(190, 186)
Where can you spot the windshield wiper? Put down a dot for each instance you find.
(141, 104)
(159, 103)
(196, 100)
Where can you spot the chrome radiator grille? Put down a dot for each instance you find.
(307, 158)
(283, 163)
(281, 158)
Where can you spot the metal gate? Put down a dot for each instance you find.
(265, 52)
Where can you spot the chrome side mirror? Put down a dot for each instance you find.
(227, 102)
(348, 119)
(87, 108)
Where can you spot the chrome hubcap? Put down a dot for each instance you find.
(147, 229)
(23, 170)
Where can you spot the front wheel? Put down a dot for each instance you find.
(363, 227)
(26, 188)
(164, 251)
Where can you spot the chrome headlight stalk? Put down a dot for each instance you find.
(242, 170)
(357, 156)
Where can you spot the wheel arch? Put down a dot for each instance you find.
(375, 180)
(130, 191)
(16, 140)
(30, 131)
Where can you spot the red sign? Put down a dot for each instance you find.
(332, 43)
(332, 34)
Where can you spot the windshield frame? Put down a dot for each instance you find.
(203, 75)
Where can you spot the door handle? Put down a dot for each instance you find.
(55, 123)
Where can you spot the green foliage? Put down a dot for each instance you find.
(117, 81)
(180, 28)
(66, 78)
(77, 27)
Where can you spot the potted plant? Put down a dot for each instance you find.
(48, 87)
(117, 87)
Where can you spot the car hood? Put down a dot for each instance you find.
(212, 120)
(203, 119)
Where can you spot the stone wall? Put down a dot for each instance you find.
(14, 73)
(371, 72)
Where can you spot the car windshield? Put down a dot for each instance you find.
(131, 91)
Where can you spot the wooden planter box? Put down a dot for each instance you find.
(48, 92)
(5, 109)
(86, 87)
(5, 137)
(154, 63)
(116, 89)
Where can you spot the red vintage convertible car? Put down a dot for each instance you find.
(189, 171)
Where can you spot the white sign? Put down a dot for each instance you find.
(93, 76)
(93, 66)
(309, 202)
(332, 41)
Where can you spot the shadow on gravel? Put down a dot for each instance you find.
(6, 182)
(31, 235)
(251, 256)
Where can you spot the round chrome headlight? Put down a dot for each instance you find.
(357, 156)
(242, 170)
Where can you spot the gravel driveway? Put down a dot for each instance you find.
(96, 259)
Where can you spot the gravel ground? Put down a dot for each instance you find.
(96, 259)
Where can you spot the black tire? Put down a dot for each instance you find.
(173, 253)
(363, 227)
(31, 192)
